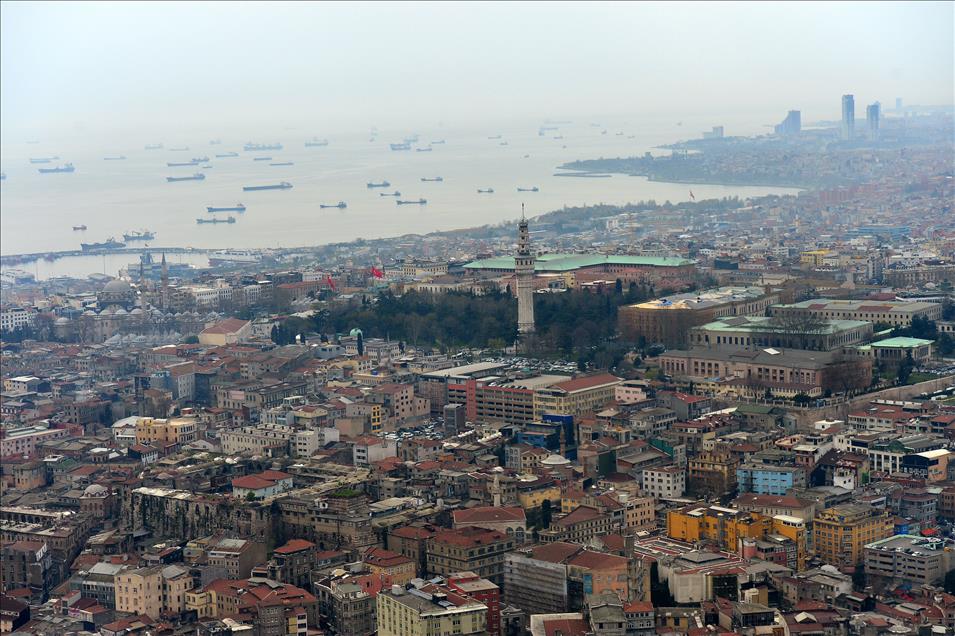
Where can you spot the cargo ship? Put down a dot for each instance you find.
(144, 235)
(432, 178)
(79, 228)
(418, 202)
(43, 159)
(108, 244)
(283, 163)
(316, 142)
(341, 205)
(179, 164)
(402, 146)
(196, 177)
(389, 194)
(64, 168)
(383, 184)
(261, 158)
(153, 147)
(230, 219)
(485, 190)
(534, 189)
(228, 154)
(253, 147)
(238, 207)
(118, 158)
(285, 185)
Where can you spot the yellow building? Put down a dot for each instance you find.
(152, 591)
(573, 397)
(841, 532)
(534, 498)
(726, 527)
(431, 610)
(813, 258)
(400, 568)
(177, 430)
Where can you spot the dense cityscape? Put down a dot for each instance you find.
(477, 318)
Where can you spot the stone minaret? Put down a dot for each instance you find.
(524, 269)
(164, 293)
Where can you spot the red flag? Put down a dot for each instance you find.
(331, 283)
(377, 273)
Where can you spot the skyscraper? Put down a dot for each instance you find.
(848, 117)
(791, 125)
(872, 115)
(524, 268)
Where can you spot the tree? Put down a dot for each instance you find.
(801, 325)
(360, 344)
(546, 513)
(905, 368)
(950, 582)
(859, 579)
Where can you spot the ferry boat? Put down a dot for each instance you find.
(238, 207)
(341, 205)
(196, 177)
(234, 257)
(64, 168)
(534, 189)
(285, 185)
(230, 219)
(383, 184)
(418, 202)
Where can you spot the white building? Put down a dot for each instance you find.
(664, 482)
(13, 317)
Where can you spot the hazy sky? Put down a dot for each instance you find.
(138, 66)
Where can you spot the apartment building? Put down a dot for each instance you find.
(153, 590)
(664, 482)
(914, 559)
(840, 533)
(895, 313)
(430, 609)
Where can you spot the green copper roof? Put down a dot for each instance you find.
(569, 262)
(902, 342)
(765, 324)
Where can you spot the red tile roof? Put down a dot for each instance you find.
(486, 514)
(227, 326)
(586, 382)
(295, 545)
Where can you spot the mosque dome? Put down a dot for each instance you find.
(95, 490)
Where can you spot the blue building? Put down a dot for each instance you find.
(766, 479)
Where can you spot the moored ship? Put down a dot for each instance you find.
(64, 168)
(196, 177)
(238, 207)
(285, 185)
(108, 244)
(234, 257)
(141, 235)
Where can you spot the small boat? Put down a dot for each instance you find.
(389, 194)
(503, 143)
(423, 149)
(79, 228)
(341, 205)
(64, 168)
(43, 159)
(196, 177)
(153, 147)
(179, 164)
(418, 202)
(494, 137)
(230, 219)
(283, 163)
(316, 142)
(432, 178)
(228, 154)
(619, 134)
(207, 166)
(180, 148)
(118, 158)
(144, 235)
(383, 184)
(402, 146)
(238, 207)
(485, 190)
(285, 185)
(200, 159)
(257, 147)
(534, 189)
(261, 158)
(435, 143)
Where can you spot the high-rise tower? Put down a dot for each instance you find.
(848, 117)
(524, 269)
